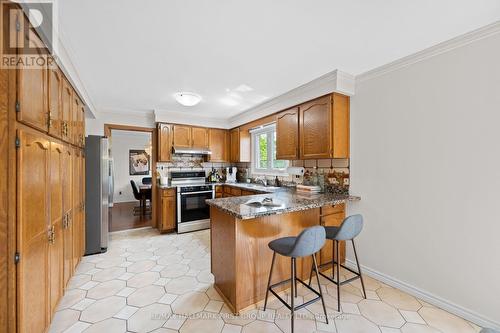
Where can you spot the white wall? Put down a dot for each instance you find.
(125, 117)
(426, 160)
(121, 143)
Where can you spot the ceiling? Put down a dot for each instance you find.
(132, 56)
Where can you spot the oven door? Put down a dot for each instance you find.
(192, 206)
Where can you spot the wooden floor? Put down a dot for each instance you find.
(121, 217)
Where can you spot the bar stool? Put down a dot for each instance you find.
(307, 243)
(348, 230)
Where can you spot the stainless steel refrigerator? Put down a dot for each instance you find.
(96, 194)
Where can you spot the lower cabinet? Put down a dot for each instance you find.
(46, 178)
(167, 210)
(331, 216)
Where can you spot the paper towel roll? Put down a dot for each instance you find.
(295, 171)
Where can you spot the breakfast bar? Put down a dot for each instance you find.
(242, 227)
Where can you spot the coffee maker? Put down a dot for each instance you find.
(231, 174)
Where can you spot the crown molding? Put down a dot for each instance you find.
(449, 45)
(334, 81)
(176, 117)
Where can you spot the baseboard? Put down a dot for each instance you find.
(428, 297)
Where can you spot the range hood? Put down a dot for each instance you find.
(191, 151)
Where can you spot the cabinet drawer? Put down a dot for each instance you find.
(227, 189)
(219, 195)
(245, 192)
(218, 189)
(170, 192)
(235, 191)
(327, 210)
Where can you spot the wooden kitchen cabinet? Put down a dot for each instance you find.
(331, 217)
(164, 142)
(240, 145)
(55, 106)
(324, 127)
(33, 158)
(199, 137)
(182, 136)
(67, 183)
(167, 211)
(287, 134)
(66, 119)
(31, 104)
(218, 142)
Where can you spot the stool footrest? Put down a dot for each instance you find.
(341, 265)
(298, 307)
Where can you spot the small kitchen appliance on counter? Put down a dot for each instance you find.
(231, 174)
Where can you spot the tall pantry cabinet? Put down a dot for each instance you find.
(42, 128)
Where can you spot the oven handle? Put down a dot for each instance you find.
(186, 193)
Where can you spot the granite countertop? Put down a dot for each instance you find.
(245, 186)
(283, 202)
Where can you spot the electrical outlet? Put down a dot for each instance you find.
(120, 193)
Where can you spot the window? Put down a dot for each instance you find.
(264, 152)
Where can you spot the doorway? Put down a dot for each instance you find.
(133, 184)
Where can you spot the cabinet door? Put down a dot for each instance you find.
(218, 145)
(75, 110)
(287, 134)
(199, 136)
(82, 205)
(33, 231)
(333, 220)
(168, 213)
(235, 145)
(66, 99)
(182, 136)
(164, 142)
(76, 210)
(316, 128)
(56, 213)
(55, 107)
(32, 90)
(67, 183)
(341, 126)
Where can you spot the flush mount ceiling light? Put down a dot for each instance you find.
(187, 98)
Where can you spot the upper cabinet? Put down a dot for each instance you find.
(182, 136)
(314, 130)
(240, 145)
(287, 134)
(218, 143)
(164, 142)
(55, 107)
(199, 137)
(31, 104)
(66, 99)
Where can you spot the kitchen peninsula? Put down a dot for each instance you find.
(241, 228)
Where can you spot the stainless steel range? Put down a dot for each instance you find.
(192, 191)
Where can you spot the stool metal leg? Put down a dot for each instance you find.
(333, 260)
(293, 292)
(338, 274)
(359, 268)
(269, 280)
(319, 286)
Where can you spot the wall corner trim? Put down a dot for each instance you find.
(426, 296)
(449, 45)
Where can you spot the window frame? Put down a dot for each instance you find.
(270, 131)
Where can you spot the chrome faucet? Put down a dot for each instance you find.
(262, 181)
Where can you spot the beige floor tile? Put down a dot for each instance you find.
(214, 306)
(261, 327)
(77, 327)
(125, 291)
(348, 323)
(143, 279)
(126, 312)
(213, 294)
(205, 322)
(83, 304)
(103, 309)
(110, 262)
(174, 270)
(168, 298)
(205, 276)
(190, 303)
(106, 289)
(108, 274)
(181, 285)
(145, 296)
(350, 308)
(381, 313)
(444, 321)
(149, 318)
(111, 325)
(242, 319)
(175, 322)
(412, 317)
(64, 319)
(303, 320)
(70, 298)
(170, 259)
(141, 266)
(78, 280)
(390, 330)
(228, 328)
(417, 328)
(398, 299)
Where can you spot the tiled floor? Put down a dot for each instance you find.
(162, 283)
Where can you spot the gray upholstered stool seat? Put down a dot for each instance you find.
(283, 245)
(308, 243)
(347, 231)
(488, 330)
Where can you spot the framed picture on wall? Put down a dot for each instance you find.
(138, 162)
